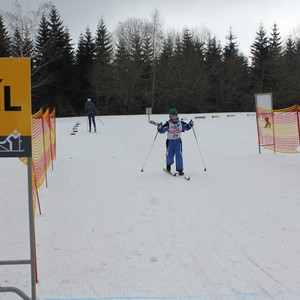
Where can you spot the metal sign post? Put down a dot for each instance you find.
(31, 229)
(15, 141)
(148, 112)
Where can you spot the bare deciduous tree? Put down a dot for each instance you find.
(157, 36)
(25, 23)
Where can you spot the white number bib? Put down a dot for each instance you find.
(174, 131)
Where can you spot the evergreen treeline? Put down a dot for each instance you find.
(141, 66)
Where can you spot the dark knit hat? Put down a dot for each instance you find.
(173, 112)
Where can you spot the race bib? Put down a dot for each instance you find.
(174, 131)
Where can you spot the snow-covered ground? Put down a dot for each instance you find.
(110, 231)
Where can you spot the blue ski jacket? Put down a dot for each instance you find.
(174, 129)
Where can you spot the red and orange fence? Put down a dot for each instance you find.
(279, 130)
(43, 149)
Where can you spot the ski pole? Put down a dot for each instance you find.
(199, 149)
(149, 152)
(100, 120)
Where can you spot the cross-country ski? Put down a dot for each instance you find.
(177, 174)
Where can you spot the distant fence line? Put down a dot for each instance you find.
(279, 130)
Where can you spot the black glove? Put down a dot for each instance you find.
(159, 126)
(191, 123)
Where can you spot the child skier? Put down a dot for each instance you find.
(174, 127)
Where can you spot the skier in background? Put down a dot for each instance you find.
(174, 127)
(90, 110)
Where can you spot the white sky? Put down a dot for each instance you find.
(243, 16)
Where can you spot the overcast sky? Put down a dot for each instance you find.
(218, 16)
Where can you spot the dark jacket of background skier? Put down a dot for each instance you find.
(90, 108)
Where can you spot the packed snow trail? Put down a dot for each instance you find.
(109, 230)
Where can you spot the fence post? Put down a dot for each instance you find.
(272, 112)
(45, 165)
(298, 122)
(258, 130)
(37, 195)
(54, 133)
(50, 131)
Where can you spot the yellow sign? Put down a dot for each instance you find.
(15, 107)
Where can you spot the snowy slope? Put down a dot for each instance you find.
(109, 230)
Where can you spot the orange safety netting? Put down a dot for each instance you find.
(43, 148)
(279, 130)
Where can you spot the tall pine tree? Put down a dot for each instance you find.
(136, 99)
(5, 49)
(85, 57)
(260, 68)
(275, 43)
(121, 66)
(289, 85)
(165, 75)
(41, 77)
(147, 71)
(103, 44)
(214, 69)
(188, 73)
(63, 89)
(234, 82)
(103, 81)
(22, 44)
(275, 64)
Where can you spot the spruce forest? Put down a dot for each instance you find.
(140, 65)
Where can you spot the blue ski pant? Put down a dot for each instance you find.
(91, 119)
(174, 148)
